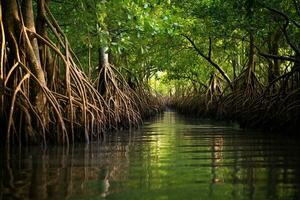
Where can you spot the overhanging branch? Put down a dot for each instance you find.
(285, 26)
(208, 58)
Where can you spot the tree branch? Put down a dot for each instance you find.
(285, 26)
(208, 58)
(276, 57)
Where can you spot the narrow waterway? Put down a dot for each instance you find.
(169, 157)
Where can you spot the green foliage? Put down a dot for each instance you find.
(145, 37)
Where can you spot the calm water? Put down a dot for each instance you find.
(168, 158)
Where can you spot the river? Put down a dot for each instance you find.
(169, 157)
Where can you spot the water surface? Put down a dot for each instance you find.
(170, 157)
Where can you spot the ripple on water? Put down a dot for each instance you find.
(170, 157)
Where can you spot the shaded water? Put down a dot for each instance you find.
(168, 158)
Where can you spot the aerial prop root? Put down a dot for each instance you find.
(119, 97)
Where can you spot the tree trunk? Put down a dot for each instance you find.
(251, 55)
(234, 67)
(27, 49)
(32, 52)
(251, 60)
(103, 62)
(11, 22)
(27, 12)
(45, 54)
(103, 57)
(274, 65)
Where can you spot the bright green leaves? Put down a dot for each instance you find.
(137, 33)
(145, 36)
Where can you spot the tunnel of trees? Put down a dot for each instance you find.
(74, 70)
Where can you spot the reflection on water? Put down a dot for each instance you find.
(169, 158)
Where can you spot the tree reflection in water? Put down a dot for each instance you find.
(171, 157)
(60, 173)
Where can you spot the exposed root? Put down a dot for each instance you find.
(45, 96)
(275, 107)
(123, 110)
(147, 102)
(65, 106)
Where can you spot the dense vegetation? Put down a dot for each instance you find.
(236, 60)
(45, 96)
